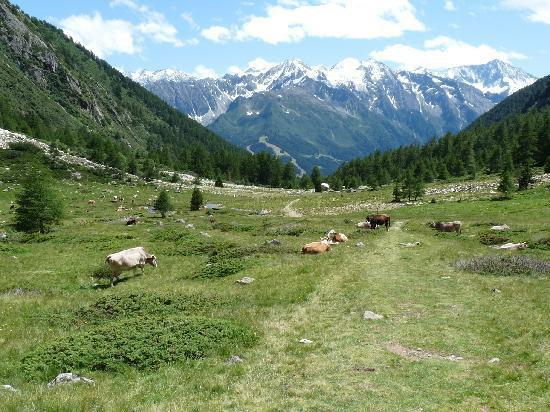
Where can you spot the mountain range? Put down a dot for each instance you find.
(314, 115)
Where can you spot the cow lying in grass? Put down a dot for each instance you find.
(315, 248)
(129, 259)
(455, 226)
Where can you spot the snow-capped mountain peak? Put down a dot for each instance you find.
(149, 76)
(496, 77)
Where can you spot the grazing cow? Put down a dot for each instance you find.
(379, 220)
(513, 246)
(131, 221)
(364, 225)
(455, 226)
(315, 248)
(91, 202)
(500, 228)
(129, 259)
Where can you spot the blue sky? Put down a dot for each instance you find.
(209, 37)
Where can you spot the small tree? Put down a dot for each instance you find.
(197, 181)
(218, 182)
(39, 206)
(175, 178)
(163, 204)
(305, 182)
(196, 199)
(506, 185)
(316, 179)
(397, 191)
(525, 177)
(418, 188)
(547, 165)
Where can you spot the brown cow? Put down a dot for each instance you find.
(379, 220)
(315, 248)
(455, 226)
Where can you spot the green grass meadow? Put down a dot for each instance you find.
(161, 341)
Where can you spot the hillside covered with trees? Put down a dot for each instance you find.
(54, 89)
(516, 132)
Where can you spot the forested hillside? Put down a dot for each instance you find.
(516, 132)
(53, 89)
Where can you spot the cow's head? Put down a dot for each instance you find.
(152, 260)
(432, 225)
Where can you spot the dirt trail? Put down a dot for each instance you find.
(288, 211)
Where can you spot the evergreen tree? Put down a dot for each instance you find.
(418, 188)
(218, 182)
(506, 185)
(525, 177)
(471, 167)
(132, 166)
(196, 199)
(289, 175)
(163, 204)
(547, 165)
(39, 206)
(316, 179)
(397, 193)
(305, 182)
(409, 182)
(175, 178)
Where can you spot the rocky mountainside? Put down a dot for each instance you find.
(324, 116)
(54, 89)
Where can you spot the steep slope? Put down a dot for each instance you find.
(536, 96)
(515, 131)
(54, 89)
(359, 106)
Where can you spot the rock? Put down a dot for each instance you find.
(306, 341)
(494, 360)
(274, 242)
(234, 359)
(368, 315)
(160, 223)
(182, 221)
(205, 234)
(69, 378)
(190, 226)
(414, 244)
(500, 228)
(495, 290)
(454, 358)
(360, 244)
(3, 235)
(76, 175)
(263, 212)
(8, 388)
(245, 281)
(445, 277)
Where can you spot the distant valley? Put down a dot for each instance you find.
(313, 115)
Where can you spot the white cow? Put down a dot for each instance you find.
(513, 246)
(500, 228)
(364, 225)
(129, 259)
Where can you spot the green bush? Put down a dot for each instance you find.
(102, 272)
(146, 303)
(220, 268)
(291, 229)
(504, 265)
(490, 238)
(141, 343)
(233, 227)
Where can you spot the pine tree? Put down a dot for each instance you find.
(39, 206)
(163, 204)
(506, 185)
(196, 199)
(418, 188)
(397, 193)
(547, 165)
(305, 182)
(525, 177)
(218, 182)
(175, 178)
(316, 179)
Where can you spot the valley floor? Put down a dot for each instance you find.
(434, 349)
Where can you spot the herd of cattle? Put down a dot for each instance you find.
(131, 259)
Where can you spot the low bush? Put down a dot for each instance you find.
(102, 271)
(541, 243)
(141, 343)
(291, 229)
(220, 268)
(146, 303)
(233, 227)
(490, 238)
(499, 265)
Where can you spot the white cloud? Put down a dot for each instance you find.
(203, 72)
(102, 37)
(217, 34)
(449, 5)
(539, 10)
(442, 52)
(188, 18)
(294, 20)
(106, 37)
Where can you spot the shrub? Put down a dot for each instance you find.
(541, 243)
(233, 227)
(146, 303)
(291, 229)
(220, 268)
(38, 205)
(141, 343)
(196, 199)
(102, 272)
(490, 238)
(163, 204)
(505, 265)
